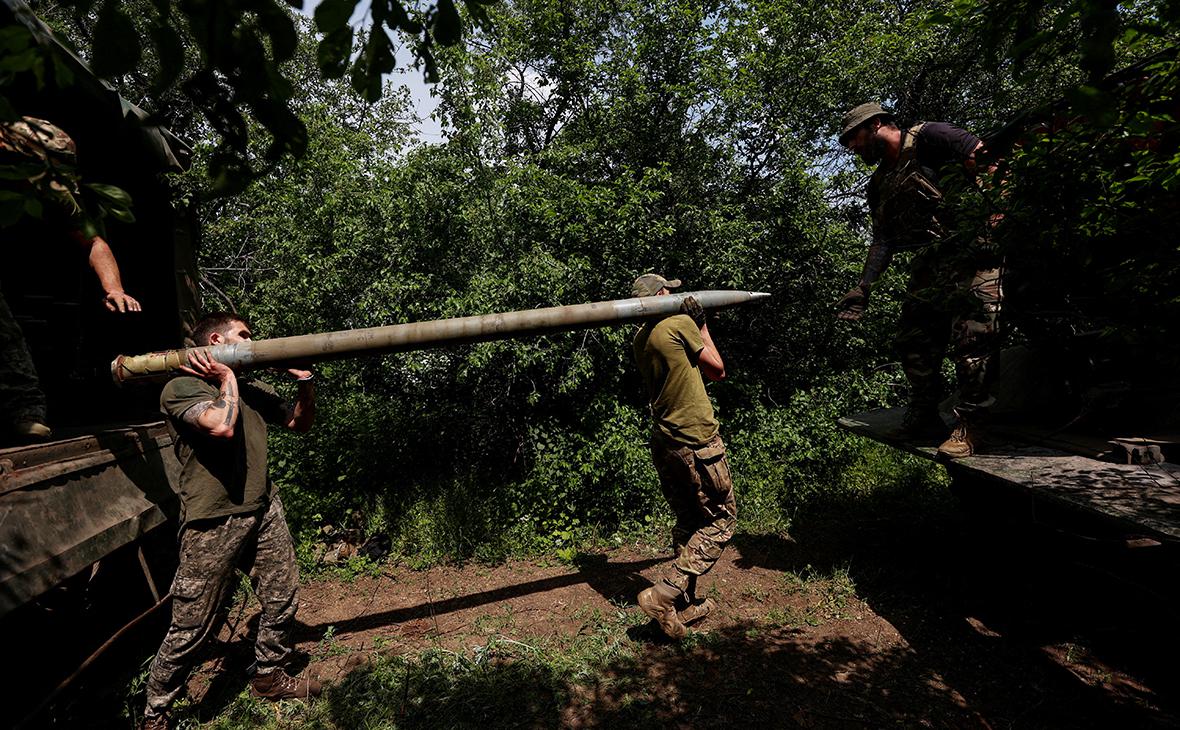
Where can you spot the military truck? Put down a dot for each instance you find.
(76, 511)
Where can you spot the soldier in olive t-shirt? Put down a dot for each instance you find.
(674, 356)
(666, 353)
(233, 517)
(221, 477)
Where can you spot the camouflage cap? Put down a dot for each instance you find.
(48, 156)
(33, 137)
(857, 116)
(648, 284)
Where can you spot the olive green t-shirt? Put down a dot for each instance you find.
(666, 352)
(222, 476)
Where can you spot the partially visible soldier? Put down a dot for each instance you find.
(49, 154)
(231, 517)
(689, 455)
(954, 292)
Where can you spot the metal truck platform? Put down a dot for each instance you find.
(1071, 472)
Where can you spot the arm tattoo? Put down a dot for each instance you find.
(229, 413)
(192, 416)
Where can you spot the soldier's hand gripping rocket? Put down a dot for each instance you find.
(694, 310)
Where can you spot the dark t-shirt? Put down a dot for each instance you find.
(941, 145)
(222, 476)
(902, 207)
(667, 352)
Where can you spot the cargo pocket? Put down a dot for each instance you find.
(713, 468)
(193, 602)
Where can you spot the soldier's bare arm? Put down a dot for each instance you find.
(301, 413)
(853, 304)
(216, 417)
(709, 359)
(106, 268)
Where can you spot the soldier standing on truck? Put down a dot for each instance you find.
(689, 455)
(231, 517)
(954, 292)
(47, 155)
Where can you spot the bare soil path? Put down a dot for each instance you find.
(849, 623)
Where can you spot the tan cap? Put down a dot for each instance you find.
(648, 284)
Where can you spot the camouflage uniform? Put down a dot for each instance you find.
(233, 518)
(699, 489)
(47, 156)
(954, 293)
(952, 303)
(210, 551)
(21, 398)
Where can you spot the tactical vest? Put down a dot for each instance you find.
(905, 199)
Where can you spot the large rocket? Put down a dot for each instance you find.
(288, 351)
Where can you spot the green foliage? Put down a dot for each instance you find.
(224, 60)
(626, 162)
(585, 146)
(1090, 220)
(1034, 34)
(1086, 190)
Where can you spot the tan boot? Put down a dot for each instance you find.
(28, 432)
(697, 611)
(963, 441)
(278, 685)
(659, 602)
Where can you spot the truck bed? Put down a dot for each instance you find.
(68, 503)
(1140, 499)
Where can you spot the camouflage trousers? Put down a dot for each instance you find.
(951, 304)
(21, 398)
(210, 551)
(698, 487)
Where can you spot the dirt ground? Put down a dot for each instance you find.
(947, 622)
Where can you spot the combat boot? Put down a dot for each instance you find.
(659, 602)
(697, 611)
(278, 685)
(921, 422)
(963, 441)
(28, 432)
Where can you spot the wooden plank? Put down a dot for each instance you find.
(1142, 497)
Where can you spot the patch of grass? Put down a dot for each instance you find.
(757, 593)
(526, 682)
(792, 618)
(830, 595)
(493, 623)
(136, 695)
(329, 645)
(838, 589)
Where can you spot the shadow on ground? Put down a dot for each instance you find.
(984, 608)
(1032, 625)
(1003, 623)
